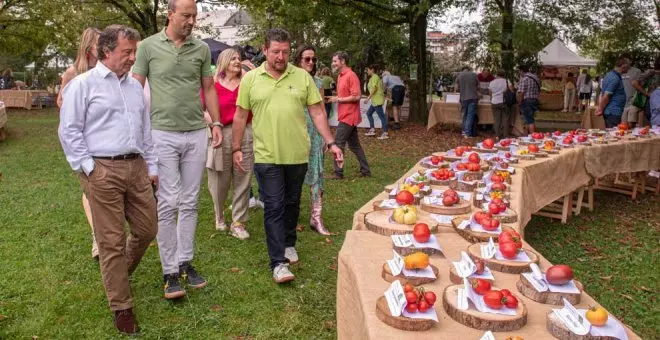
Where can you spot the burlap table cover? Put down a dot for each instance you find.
(591, 121)
(642, 154)
(450, 113)
(359, 285)
(3, 116)
(16, 98)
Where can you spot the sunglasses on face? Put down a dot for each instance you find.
(309, 59)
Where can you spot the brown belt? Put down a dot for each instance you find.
(120, 157)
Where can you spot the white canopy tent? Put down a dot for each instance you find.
(557, 54)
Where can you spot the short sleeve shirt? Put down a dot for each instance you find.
(468, 85)
(613, 85)
(375, 87)
(497, 87)
(633, 74)
(278, 107)
(529, 86)
(348, 85)
(175, 76)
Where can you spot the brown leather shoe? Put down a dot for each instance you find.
(125, 322)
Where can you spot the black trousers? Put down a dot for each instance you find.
(349, 134)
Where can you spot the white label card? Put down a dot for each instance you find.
(488, 250)
(389, 203)
(464, 224)
(443, 219)
(465, 267)
(395, 297)
(539, 285)
(402, 241)
(572, 319)
(488, 336)
(480, 197)
(395, 264)
(462, 302)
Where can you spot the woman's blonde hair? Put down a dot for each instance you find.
(87, 41)
(222, 64)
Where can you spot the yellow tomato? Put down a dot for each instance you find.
(597, 316)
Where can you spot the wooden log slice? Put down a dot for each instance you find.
(540, 154)
(462, 207)
(403, 251)
(415, 281)
(455, 279)
(482, 321)
(400, 322)
(379, 223)
(447, 183)
(466, 186)
(377, 206)
(526, 289)
(429, 165)
(560, 331)
(509, 216)
(482, 150)
(527, 157)
(471, 235)
(473, 175)
(504, 266)
(524, 142)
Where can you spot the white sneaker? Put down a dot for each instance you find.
(383, 136)
(220, 225)
(282, 274)
(371, 132)
(255, 203)
(291, 254)
(238, 231)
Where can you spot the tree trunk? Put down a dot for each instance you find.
(418, 111)
(506, 51)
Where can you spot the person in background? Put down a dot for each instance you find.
(305, 58)
(277, 92)
(529, 89)
(219, 165)
(397, 93)
(348, 113)
(377, 97)
(569, 93)
(584, 86)
(85, 60)
(501, 111)
(177, 66)
(613, 99)
(597, 86)
(468, 87)
(105, 131)
(485, 77)
(7, 80)
(655, 107)
(644, 86)
(327, 83)
(630, 112)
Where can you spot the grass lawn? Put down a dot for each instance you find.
(51, 288)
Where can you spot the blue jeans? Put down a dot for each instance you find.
(469, 109)
(612, 120)
(381, 116)
(280, 187)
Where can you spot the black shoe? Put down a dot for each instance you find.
(173, 289)
(190, 276)
(125, 322)
(396, 126)
(365, 175)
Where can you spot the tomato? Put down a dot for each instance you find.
(509, 250)
(498, 187)
(461, 166)
(430, 298)
(411, 307)
(496, 178)
(404, 197)
(597, 316)
(493, 299)
(480, 286)
(448, 201)
(493, 208)
(507, 237)
(459, 151)
(490, 224)
(435, 160)
(533, 148)
(474, 158)
(505, 292)
(411, 297)
(510, 301)
(408, 288)
(559, 274)
(423, 306)
(421, 232)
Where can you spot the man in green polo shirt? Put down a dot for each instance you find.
(277, 93)
(377, 97)
(177, 66)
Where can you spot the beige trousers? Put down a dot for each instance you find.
(222, 174)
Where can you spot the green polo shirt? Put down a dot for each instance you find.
(278, 106)
(375, 87)
(175, 77)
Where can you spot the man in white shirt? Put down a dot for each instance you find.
(501, 111)
(105, 131)
(397, 93)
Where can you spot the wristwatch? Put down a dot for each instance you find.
(217, 124)
(331, 144)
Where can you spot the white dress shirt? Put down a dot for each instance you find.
(102, 116)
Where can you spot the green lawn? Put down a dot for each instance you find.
(51, 288)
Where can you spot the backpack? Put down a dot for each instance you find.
(509, 96)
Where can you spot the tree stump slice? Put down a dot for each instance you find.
(527, 157)
(410, 250)
(471, 235)
(466, 186)
(525, 288)
(482, 150)
(470, 176)
(540, 154)
(509, 216)
(448, 158)
(400, 322)
(447, 183)
(525, 142)
(377, 206)
(379, 223)
(560, 331)
(455, 279)
(415, 281)
(428, 165)
(504, 266)
(482, 321)
(462, 207)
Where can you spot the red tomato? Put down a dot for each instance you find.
(404, 197)
(498, 186)
(408, 288)
(508, 237)
(559, 274)
(488, 143)
(480, 286)
(505, 292)
(411, 307)
(496, 178)
(423, 306)
(430, 298)
(474, 158)
(493, 208)
(421, 232)
(493, 299)
(509, 250)
(488, 224)
(448, 201)
(411, 297)
(459, 151)
(533, 148)
(510, 301)
(435, 160)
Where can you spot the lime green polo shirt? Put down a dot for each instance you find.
(175, 78)
(375, 87)
(278, 107)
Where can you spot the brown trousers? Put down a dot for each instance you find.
(120, 191)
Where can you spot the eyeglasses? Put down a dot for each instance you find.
(309, 59)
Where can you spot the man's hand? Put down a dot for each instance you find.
(154, 181)
(334, 99)
(238, 159)
(216, 132)
(599, 112)
(339, 155)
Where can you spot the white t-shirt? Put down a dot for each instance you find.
(497, 87)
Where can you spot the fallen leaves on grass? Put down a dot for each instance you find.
(627, 297)
(236, 270)
(216, 308)
(606, 278)
(329, 324)
(300, 228)
(3, 317)
(328, 241)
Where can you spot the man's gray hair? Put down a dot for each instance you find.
(110, 35)
(171, 5)
(342, 56)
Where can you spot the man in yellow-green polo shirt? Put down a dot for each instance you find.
(277, 93)
(377, 97)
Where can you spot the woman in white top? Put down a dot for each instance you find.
(501, 111)
(584, 86)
